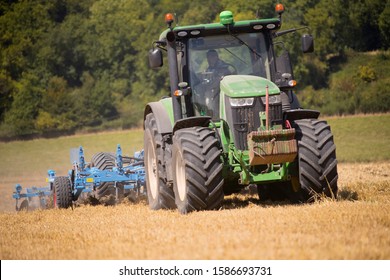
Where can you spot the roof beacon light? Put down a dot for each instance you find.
(279, 8)
(169, 19)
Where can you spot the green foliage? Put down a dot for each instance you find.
(6, 88)
(366, 73)
(55, 113)
(384, 25)
(376, 98)
(19, 119)
(69, 64)
(360, 86)
(338, 24)
(93, 102)
(22, 29)
(244, 10)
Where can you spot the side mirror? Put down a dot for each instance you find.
(307, 43)
(155, 58)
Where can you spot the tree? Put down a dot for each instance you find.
(64, 52)
(21, 30)
(56, 112)
(384, 25)
(19, 119)
(6, 89)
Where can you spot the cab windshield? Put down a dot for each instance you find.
(212, 58)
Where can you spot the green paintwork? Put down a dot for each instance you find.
(237, 161)
(226, 17)
(167, 103)
(237, 86)
(248, 177)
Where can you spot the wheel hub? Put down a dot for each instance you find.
(152, 170)
(181, 178)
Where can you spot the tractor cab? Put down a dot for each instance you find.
(203, 55)
(211, 59)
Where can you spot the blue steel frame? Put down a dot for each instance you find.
(85, 179)
(42, 192)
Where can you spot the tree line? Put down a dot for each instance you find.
(70, 64)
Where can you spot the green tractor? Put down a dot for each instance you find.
(232, 119)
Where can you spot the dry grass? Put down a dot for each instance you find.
(357, 226)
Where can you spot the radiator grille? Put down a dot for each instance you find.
(243, 120)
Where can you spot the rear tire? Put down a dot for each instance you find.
(160, 195)
(316, 159)
(62, 192)
(197, 170)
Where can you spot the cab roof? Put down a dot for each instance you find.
(203, 30)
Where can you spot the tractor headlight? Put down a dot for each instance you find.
(241, 102)
(273, 99)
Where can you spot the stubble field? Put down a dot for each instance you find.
(356, 225)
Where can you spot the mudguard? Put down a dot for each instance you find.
(202, 121)
(299, 114)
(164, 124)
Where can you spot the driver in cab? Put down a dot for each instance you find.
(216, 65)
(206, 93)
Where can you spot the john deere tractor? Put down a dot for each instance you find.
(236, 125)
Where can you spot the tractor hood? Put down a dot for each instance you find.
(238, 86)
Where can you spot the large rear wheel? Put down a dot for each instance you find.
(160, 195)
(197, 170)
(317, 163)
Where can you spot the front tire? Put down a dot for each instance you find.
(160, 195)
(197, 170)
(317, 163)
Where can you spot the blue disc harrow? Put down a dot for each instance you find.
(124, 177)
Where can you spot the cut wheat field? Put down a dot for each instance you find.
(356, 225)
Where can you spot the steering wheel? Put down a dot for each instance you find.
(207, 76)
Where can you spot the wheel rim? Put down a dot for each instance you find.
(151, 163)
(181, 177)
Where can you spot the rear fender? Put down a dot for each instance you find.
(164, 122)
(299, 114)
(191, 122)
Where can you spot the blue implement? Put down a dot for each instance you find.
(84, 178)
